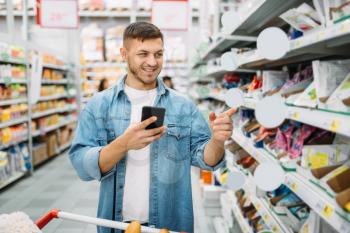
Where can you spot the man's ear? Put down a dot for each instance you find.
(123, 53)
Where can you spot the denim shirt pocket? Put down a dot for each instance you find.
(105, 134)
(178, 142)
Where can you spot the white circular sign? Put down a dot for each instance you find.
(228, 62)
(234, 98)
(235, 180)
(229, 19)
(271, 111)
(268, 176)
(272, 43)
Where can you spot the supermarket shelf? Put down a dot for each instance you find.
(269, 217)
(218, 97)
(13, 61)
(64, 147)
(14, 122)
(318, 200)
(104, 65)
(259, 13)
(13, 143)
(215, 71)
(259, 154)
(226, 43)
(12, 179)
(240, 219)
(335, 122)
(51, 128)
(105, 13)
(65, 81)
(55, 67)
(17, 13)
(53, 111)
(103, 74)
(53, 97)
(321, 203)
(177, 66)
(143, 14)
(13, 101)
(14, 81)
(328, 120)
(321, 43)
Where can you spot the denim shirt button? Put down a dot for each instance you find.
(121, 186)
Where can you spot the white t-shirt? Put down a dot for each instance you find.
(137, 177)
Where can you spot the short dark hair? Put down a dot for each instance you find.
(142, 31)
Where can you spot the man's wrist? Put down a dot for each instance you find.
(217, 144)
(121, 144)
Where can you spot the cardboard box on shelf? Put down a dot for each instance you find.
(39, 153)
(64, 136)
(52, 144)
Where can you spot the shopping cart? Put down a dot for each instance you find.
(44, 220)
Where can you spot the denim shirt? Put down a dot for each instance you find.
(107, 116)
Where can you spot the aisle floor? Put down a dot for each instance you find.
(56, 185)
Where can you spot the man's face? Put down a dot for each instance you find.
(144, 58)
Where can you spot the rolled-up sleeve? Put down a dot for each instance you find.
(85, 150)
(200, 136)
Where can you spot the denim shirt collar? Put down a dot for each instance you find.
(161, 88)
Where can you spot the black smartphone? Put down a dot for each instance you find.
(148, 111)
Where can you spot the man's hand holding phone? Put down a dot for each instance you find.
(137, 136)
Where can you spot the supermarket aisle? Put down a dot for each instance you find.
(55, 185)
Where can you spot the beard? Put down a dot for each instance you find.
(143, 78)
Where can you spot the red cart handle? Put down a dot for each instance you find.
(44, 220)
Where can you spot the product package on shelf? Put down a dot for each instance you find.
(51, 90)
(176, 50)
(18, 5)
(92, 5)
(14, 160)
(119, 5)
(9, 72)
(13, 91)
(49, 74)
(13, 134)
(11, 52)
(324, 85)
(13, 112)
(92, 43)
(113, 43)
(340, 99)
(144, 5)
(303, 18)
(338, 10)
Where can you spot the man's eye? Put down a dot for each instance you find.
(159, 55)
(142, 54)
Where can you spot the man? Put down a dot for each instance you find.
(167, 80)
(145, 174)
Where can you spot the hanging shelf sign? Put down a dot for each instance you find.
(170, 14)
(61, 14)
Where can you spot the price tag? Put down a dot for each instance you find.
(258, 207)
(298, 43)
(344, 28)
(294, 187)
(266, 217)
(296, 115)
(327, 211)
(320, 35)
(345, 227)
(335, 124)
